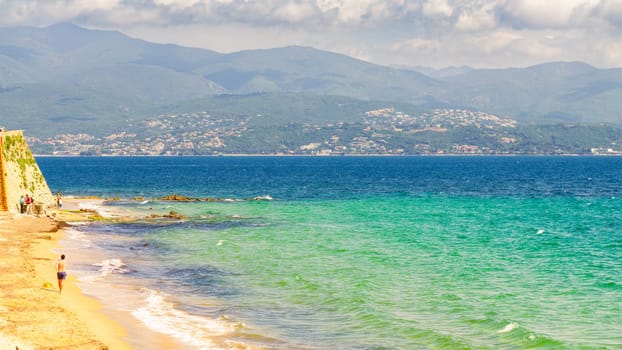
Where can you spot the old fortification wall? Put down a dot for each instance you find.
(20, 173)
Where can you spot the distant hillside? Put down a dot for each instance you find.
(68, 79)
(562, 91)
(379, 131)
(278, 108)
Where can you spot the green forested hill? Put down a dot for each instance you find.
(68, 79)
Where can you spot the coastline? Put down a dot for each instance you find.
(353, 155)
(32, 312)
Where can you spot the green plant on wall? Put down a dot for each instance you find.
(9, 146)
(15, 151)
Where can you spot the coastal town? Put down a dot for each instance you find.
(385, 131)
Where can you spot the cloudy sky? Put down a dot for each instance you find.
(434, 33)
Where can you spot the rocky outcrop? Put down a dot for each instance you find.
(180, 198)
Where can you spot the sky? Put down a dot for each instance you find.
(408, 33)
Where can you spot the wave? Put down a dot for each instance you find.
(108, 209)
(77, 240)
(161, 316)
(76, 235)
(110, 266)
(78, 223)
(96, 207)
(509, 327)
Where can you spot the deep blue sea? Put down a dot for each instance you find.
(352, 252)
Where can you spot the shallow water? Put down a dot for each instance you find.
(358, 253)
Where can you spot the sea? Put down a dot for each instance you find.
(351, 252)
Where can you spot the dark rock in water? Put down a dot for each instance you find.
(174, 215)
(179, 198)
(144, 245)
(171, 215)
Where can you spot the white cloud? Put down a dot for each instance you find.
(612, 52)
(611, 10)
(178, 3)
(368, 12)
(418, 32)
(124, 16)
(478, 18)
(89, 5)
(295, 12)
(433, 8)
(549, 13)
(497, 41)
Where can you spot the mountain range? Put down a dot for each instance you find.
(68, 79)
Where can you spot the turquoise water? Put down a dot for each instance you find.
(526, 257)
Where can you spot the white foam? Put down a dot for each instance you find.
(78, 223)
(75, 234)
(144, 202)
(96, 207)
(508, 328)
(110, 266)
(107, 214)
(263, 198)
(160, 315)
(101, 209)
(76, 240)
(90, 205)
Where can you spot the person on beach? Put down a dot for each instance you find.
(60, 272)
(59, 200)
(22, 205)
(28, 202)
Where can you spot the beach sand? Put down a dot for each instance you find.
(33, 314)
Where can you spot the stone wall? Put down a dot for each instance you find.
(21, 174)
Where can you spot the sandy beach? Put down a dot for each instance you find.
(33, 314)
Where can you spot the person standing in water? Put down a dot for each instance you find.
(60, 272)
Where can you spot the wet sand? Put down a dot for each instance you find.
(33, 314)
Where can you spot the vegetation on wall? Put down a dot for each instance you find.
(15, 151)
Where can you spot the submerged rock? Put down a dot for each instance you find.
(179, 198)
(171, 215)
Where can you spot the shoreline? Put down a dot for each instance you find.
(352, 155)
(33, 314)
